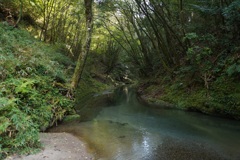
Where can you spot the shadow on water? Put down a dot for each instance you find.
(127, 130)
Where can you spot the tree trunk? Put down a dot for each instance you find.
(20, 13)
(86, 48)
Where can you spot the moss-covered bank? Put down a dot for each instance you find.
(221, 99)
(33, 76)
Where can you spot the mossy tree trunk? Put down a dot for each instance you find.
(86, 47)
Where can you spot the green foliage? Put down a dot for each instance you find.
(32, 90)
(18, 131)
(198, 55)
(111, 56)
(221, 99)
(233, 69)
(232, 15)
(190, 36)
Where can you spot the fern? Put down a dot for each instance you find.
(25, 87)
(4, 124)
(28, 69)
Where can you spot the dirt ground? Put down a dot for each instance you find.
(59, 146)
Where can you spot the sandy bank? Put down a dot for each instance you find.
(59, 146)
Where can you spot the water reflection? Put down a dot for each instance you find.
(135, 132)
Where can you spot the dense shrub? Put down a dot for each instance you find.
(32, 90)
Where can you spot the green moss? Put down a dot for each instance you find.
(222, 98)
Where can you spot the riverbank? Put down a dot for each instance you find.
(34, 78)
(220, 99)
(58, 146)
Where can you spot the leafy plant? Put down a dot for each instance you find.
(233, 69)
(29, 99)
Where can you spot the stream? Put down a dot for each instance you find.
(128, 130)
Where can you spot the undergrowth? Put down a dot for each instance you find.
(221, 99)
(32, 90)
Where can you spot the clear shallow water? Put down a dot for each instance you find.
(131, 131)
